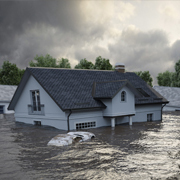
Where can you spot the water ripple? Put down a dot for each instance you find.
(148, 150)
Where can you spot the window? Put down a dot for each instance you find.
(85, 125)
(37, 123)
(36, 100)
(123, 96)
(149, 117)
(35, 107)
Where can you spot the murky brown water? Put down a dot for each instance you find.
(144, 151)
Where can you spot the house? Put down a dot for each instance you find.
(172, 94)
(75, 99)
(6, 94)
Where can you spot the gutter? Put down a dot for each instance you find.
(68, 119)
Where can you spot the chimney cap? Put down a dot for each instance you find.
(120, 67)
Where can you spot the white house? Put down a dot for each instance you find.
(172, 94)
(75, 99)
(6, 94)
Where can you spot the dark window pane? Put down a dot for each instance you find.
(123, 96)
(34, 101)
(38, 101)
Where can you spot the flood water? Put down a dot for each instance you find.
(148, 150)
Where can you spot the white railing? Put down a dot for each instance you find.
(32, 112)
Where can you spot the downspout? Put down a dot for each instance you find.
(68, 119)
(161, 111)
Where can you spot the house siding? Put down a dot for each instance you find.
(53, 116)
(108, 110)
(123, 108)
(141, 114)
(88, 116)
(143, 110)
(115, 107)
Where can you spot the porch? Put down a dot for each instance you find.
(113, 119)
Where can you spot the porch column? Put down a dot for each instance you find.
(130, 120)
(112, 122)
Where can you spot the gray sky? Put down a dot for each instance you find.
(144, 35)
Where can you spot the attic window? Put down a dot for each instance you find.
(36, 100)
(123, 96)
(143, 92)
(35, 107)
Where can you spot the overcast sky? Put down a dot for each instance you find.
(144, 35)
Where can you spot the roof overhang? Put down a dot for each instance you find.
(124, 115)
(19, 90)
(148, 103)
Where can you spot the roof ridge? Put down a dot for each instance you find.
(73, 69)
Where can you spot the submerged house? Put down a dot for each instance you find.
(172, 94)
(75, 99)
(6, 94)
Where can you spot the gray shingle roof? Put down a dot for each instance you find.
(172, 94)
(7, 92)
(72, 89)
(107, 89)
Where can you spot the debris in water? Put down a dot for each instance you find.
(69, 138)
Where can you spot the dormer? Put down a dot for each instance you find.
(118, 96)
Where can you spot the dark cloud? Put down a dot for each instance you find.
(142, 51)
(156, 37)
(40, 27)
(64, 29)
(26, 26)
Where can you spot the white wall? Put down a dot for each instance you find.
(143, 110)
(97, 116)
(116, 107)
(88, 116)
(6, 111)
(54, 116)
(123, 107)
(108, 110)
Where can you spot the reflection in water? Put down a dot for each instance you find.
(148, 150)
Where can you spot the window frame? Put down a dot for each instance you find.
(35, 108)
(123, 96)
(150, 117)
(37, 102)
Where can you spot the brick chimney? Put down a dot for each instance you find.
(120, 67)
